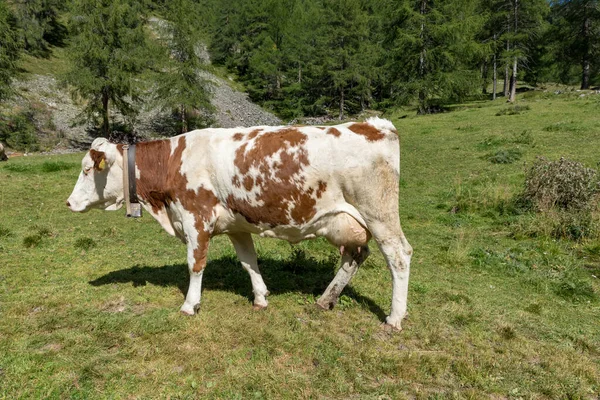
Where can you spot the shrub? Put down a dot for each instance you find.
(562, 184)
(514, 110)
(18, 131)
(32, 240)
(505, 156)
(5, 232)
(85, 243)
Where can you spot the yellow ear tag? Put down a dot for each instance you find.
(102, 165)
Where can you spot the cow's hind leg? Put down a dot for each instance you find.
(351, 260)
(244, 247)
(397, 252)
(378, 205)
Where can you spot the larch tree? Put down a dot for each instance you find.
(524, 19)
(40, 28)
(577, 26)
(181, 88)
(108, 52)
(433, 50)
(10, 50)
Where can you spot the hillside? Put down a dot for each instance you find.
(39, 86)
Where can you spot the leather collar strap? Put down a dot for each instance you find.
(132, 204)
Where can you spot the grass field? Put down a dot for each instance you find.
(89, 302)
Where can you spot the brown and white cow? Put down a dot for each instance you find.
(292, 183)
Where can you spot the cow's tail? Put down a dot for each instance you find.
(383, 125)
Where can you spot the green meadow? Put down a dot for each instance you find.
(498, 307)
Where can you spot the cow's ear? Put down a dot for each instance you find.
(99, 143)
(99, 159)
(108, 150)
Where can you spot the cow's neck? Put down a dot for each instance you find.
(154, 167)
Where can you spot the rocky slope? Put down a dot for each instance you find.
(232, 109)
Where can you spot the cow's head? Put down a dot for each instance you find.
(100, 183)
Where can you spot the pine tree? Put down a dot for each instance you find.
(40, 28)
(108, 52)
(180, 85)
(433, 50)
(9, 50)
(524, 22)
(577, 26)
(340, 56)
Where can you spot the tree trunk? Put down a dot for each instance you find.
(484, 76)
(422, 66)
(513, 78)
(585, 63)
(495, 79)
(182, 117)
(422, 102)
(341, 104)
(506, 77)
(513, 82)
(105, 114)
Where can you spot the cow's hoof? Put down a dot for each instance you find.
(390, 328)
(187, 309)
(258, 307)
(325, 305)
(389, 325)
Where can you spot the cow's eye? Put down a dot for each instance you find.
(86, 170)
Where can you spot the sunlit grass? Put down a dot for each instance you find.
(90, 308)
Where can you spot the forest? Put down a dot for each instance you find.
(300, 58)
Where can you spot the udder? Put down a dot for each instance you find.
(342, 230)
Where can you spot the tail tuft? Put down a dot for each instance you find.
(381, 124)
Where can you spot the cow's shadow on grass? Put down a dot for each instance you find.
(299, 273)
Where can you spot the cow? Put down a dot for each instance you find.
(287, 182)
(3, 156)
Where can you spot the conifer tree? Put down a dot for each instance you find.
(9, 50)
(108, 52)
(577, 29)
(40, 28)
(433, 49)
(180, 86)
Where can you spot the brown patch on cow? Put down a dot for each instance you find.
(369, 132)
(97, 158)
(280, 158)
(248, 182)
(254, 133)
(321, 189)
(161, 183)
(333, 131)
(238, 136)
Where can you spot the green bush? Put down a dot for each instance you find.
(85, 243)
(505, 156)
(18, 131)
(514, 110)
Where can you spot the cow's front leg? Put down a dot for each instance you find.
(197, 249)
(244, 247)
